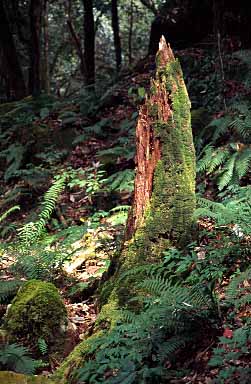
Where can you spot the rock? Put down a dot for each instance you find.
(37, 312)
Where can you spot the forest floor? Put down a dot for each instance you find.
(91, 212)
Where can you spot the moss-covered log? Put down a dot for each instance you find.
(164, 199)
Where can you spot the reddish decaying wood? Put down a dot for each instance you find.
(148, 146)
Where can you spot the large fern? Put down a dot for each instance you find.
(32, 231)
(8, 289)
(16, 358)
(235, 210)
(228, 154)
(136, 349)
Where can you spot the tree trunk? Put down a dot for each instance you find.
(89, 42)
(46, 69)
(11, 69)
(130, 34)
(35, 13)
(116, 36)
(164, 199)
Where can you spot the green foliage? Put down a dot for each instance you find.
(91, 179)
(32, 231)
(111, 154)
(118, 215)
(136, 348)
(8, 212)
(137, 94)
(8, 289)
(228, 160)
(14, 155)
(233, 210)
(42, 346)
(98, 129)
(121, 181)
(16, 358)
(229, 164)
(238, 292)
(39, 261)
(228, 354)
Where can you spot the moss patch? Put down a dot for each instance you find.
(16, 378)
(37, 311)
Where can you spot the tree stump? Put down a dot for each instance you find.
(164, 200)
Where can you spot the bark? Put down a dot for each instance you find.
(116, 36)
(130, 35)
(35, 14)
(75, 37)
(164, 198)
(11, 70)
(46, 69)
(89, 42)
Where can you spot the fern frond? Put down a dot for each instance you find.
(8, 212)
(242, 165)
(16, 358)
(32, 231)
(8, 289)
(227, 172)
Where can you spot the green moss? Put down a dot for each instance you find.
(168, 218)
(16, 378)
(74, 360)
(37, 311)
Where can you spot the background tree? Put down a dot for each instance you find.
(11, 71)
(35, 15)
(116, 35)
(89, 42)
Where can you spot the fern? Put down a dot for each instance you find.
(137, 347)
(32, 231)
(121, 181)
(40, 262)
(14, 156)
(238, 292)
(16, 358)
(113, 153)
(229, 164)
(229, 160)
(8, 212)
(42, 346)
(236, 210)
(8, 289)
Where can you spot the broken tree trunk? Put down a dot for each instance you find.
(164, 198)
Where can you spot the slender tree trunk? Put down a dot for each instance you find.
(116, 36)
(76, 39)
(11, 69)
(130, 33)
(35, 13)
(46, 68)
(89, 42)
(164, 200)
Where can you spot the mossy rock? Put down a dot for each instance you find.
(16, 378)
(37, 312)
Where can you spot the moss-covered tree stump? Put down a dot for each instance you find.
(164, 198)
(36, 312)
(164, 195)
